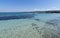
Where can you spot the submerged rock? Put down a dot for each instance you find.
(37, 19)
(51, 29)
(54, 22)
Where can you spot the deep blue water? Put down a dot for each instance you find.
(15, 15)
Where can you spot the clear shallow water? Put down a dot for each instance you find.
(47, 16)
(40, 21)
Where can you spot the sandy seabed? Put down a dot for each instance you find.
(26, 28)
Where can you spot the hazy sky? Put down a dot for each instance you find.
(29, 5)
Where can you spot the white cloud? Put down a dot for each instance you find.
(53, 8)
(45, 9)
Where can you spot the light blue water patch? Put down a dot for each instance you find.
(15, 24)
(46, 16)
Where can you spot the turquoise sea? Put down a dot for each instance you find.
(29, 25)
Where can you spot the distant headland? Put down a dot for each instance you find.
(50, 11)
(43, 11)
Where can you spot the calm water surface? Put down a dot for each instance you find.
(24, 20)
(43, 17)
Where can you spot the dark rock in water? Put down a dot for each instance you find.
(37, 19)
(36, 27)
(24, 16)
(51, 23)
(34, 24)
